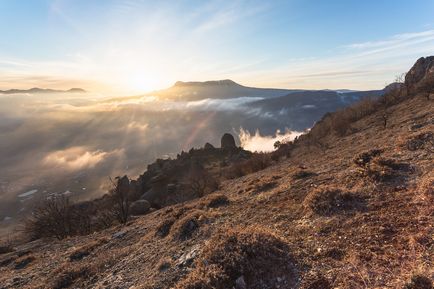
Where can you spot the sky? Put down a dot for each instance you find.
(133, 46)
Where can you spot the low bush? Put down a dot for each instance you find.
(419, 282)
(68, 276)
(302, 174)
(86, 250)
(24, 261)
(185, 227)
(257, 162)
(217, 200)
(164, 228)
(328, 201)
(253, 257)
(6, 248)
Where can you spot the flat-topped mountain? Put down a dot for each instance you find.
(42, 90)
(226, 89)
(216, 89)
(225, 82)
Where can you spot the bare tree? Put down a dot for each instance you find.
(120, 196)
(200, 181)
(51, 218)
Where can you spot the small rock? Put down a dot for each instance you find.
(119, 235)
(187, 258)
(240, 283)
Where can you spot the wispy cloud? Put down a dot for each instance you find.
(367, 65)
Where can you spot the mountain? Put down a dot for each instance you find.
(338, 209)
(42, 90)
(301, 109)
(217, 89)
(224, 89)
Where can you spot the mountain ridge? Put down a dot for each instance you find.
(42, 90)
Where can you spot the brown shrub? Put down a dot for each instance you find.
(419, 282)
(317, 282)
(23, 261)
(254, 255)
(423, 140)
(67, 277)
(6, 249)
(86, 250)
(364, 158)
(164, 265)
(164, 228)
(380, 169)
(328, 201)
(184, 228)
(302, 174)
(257, 162)
(217, 200)
(54, 217)
(71, 273)
(201, 182)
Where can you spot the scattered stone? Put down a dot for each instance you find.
(240, 283)
(119, 235)
(187, 258)
(415, 127)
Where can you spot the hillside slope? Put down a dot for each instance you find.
(316, 220)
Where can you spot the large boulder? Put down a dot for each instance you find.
(228, 141)
(139, 207)
(420, 78)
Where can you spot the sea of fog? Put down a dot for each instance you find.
(72, 143)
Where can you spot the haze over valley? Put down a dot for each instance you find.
(71, 143)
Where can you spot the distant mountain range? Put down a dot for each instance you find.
(42, 90)
(294, 108)
(218, 89)
(223, 89)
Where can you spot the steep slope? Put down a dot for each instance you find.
(316, 220)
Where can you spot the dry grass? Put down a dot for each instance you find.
(257, 162)
(87, 249)
(254, 254)
(327, 201)
(23, 261)
(419, 282)
(185, 227)
(217, 200)
(164, 227)
(303, 174)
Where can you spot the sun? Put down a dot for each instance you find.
(141, 82)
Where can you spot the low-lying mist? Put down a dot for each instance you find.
(72, 143)
(259, 143)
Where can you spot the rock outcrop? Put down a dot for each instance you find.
(420, 77)
(228, 141)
